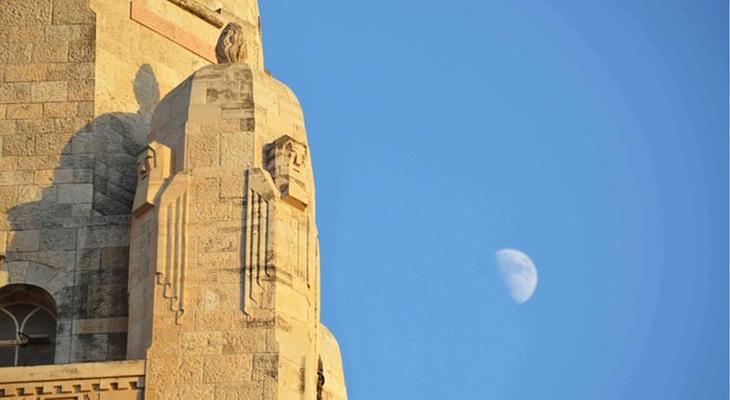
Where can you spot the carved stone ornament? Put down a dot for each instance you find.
(153, 167)
(286, 160)
(231, 46)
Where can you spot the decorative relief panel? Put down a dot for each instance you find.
(174, 245)
(258, 239)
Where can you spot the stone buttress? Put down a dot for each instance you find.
(224, 262)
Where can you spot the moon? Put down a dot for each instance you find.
(518, 274)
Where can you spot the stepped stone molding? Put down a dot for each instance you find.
(175, 262)
(258, 236)
(122, 380)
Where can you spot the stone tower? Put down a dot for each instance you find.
(172, 241)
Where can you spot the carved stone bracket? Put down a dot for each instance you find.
(153, 167)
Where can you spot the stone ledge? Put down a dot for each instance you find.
(119, 370)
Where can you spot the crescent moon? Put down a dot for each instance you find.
(518, 273)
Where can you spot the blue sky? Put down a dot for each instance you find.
(592, 135)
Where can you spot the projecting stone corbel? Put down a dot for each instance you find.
(153, 167)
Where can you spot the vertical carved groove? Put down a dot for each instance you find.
(261, 253)
(250, 241)
(266, 241)
(172, 278)
(168, 252)
(183, 255)
(255, 247)
(246, 278)
(175, 276)
(306, 257)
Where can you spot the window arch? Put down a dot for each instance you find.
(27, 326)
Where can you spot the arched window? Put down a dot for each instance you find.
(27, 326)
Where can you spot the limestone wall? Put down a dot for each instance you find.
(64, 188)
(79, 80)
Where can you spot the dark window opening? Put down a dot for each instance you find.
(27, 326)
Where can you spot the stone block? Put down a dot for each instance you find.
(8, 197)
(85, 108)
(60, 110)
(115, 258)
(63, 349)
(49, 91)
(232, 187)
(81, 90)
(228, 369)
(18, 92)
(75, 193)
(18, 145)
(237, 149)
(202, 343)
(60, 260)
(24, 111)
(246, 341)
(265, 367)
(101, 294)
(26, 72)
(219, 243)
(72, 71)
(92, 347)
(248, 390)
(35, 162)
(81, 52)
(35, 127)
(69, 33)
(72, 12)
(17, 270)
(71, 125)
(48, 52)
(24, 241)
(58, 239)
(203, 150)
(104, 236)
(21, 34)
(89, 259)
(117, 346)
(61, 281)
(19, 13)
(52, 144)
(27, 194)
(7, 127)
(16, 53)
(40, 275)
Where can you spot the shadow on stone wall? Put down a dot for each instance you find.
(71, 237)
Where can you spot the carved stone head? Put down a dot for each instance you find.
(231, 47)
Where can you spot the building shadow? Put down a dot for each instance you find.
(70, 236)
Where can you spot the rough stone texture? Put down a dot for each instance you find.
(217, 247)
